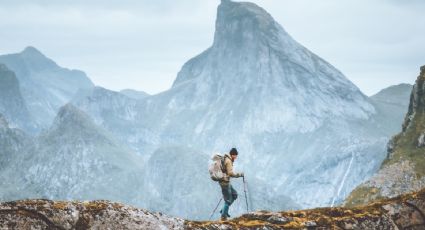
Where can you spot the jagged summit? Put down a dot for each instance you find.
(253, 58)
(235, 17)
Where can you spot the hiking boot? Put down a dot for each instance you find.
(223, 218)
(221, 212)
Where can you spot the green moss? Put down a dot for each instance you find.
(406, 145)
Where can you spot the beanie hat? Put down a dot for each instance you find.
(233, 151)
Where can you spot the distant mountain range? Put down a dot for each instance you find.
(44, 85)
(73, 159)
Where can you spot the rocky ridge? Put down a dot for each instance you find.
(46, 214)
(404, 212)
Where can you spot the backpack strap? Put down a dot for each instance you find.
(223, 168)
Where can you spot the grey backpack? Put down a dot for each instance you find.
(216, 168)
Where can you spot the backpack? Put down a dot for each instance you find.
(216, 168)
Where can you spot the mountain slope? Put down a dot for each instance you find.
(396, 94)
(404, 168)
(75, 159)
(391, 104)
(12, 104)
(45, 86)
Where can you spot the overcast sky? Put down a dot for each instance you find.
(142, 44)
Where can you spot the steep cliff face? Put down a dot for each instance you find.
(404, 169)
(404, 212)
(12, 104)
(13, 143)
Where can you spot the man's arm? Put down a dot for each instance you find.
(229, 169)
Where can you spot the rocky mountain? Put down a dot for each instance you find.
(75, 159)
(257, 89)
(404, 168)
(134, 94)
(44, 85)
(404, 212)
(12, 104)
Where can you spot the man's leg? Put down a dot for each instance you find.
(228, 199)
(233, 193)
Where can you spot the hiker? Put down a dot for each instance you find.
(229, 193)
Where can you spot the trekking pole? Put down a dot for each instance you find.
(215, 209)
(244, 190)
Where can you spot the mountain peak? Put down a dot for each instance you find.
(33, 53)
(230, 8)
(242, 21)
(31, 50)
(37, 59)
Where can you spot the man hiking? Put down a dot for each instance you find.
(229, 193)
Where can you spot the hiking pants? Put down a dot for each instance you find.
(229, 195)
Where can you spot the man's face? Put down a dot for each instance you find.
(234, 157)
